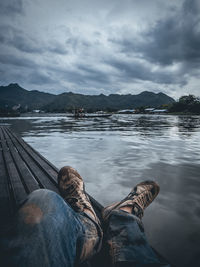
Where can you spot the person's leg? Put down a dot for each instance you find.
(48, 232)
(124, 232)
(52, 231)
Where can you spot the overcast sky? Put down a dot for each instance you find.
(101, 46)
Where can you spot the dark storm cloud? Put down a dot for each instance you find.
(11, 7)
(173, 39)
(133, 70)
(14, 60)
(94, 74)
(98, 46)
(178, 38)
(57, 48)
(13, 37)
(81, 75)
(71, 75)
(36, 77)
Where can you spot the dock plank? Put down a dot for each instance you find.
(27, 178)
(41, 177)
(16, 187)
(6, 207)
(50, 172)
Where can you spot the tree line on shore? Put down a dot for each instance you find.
(188, 104)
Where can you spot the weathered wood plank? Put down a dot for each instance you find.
(16, 187)
(29, 182)
(6, 207)
(41, 177)
(50, 172)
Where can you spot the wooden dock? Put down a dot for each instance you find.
(23, 170)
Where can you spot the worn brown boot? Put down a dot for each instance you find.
(138, 199)
(72, 189)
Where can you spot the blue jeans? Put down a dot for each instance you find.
(48, 232)
(127, 244)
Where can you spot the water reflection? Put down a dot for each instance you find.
(188, 124)
(113, 154)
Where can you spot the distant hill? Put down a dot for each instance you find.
(13, 94)
(70, 100)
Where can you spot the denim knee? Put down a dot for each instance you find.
(46, 230)
(41, 203)
(42, 194)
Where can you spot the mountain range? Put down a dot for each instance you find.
(13, 94)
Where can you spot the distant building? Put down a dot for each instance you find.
(149, 110)
(126, 111)
(160, 111)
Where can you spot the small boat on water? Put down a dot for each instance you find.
(90, 116)
(97, 116)
(80, 113)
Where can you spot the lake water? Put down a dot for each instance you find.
(114, 154)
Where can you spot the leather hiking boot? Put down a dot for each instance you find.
(72, 189)
(139, 198)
